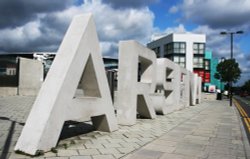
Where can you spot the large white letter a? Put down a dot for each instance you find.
(78, 61)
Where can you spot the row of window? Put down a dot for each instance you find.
(181, 60)
(175, 48)
(199, 48)
(199, 62)
(180, 48)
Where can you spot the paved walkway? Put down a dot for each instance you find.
(213, 133)
(208, 130)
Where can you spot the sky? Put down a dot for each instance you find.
(32, 26)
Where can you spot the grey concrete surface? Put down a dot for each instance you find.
(208, 130)
(30, 76)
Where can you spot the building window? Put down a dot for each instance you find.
(168, 49)
(176, 59)
(179, 47)
(198, 62)
(175, 48)
(157, 51)
(181, 60)
(199, 48)
(207, 64)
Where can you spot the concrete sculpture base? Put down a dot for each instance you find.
(78, 62)
(133, 93)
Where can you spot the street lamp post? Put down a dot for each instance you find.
(231, 37)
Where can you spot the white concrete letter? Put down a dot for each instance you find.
(78, 64)
(133, 92)
(185, 87)
(199, 87)
(193, 88)
(163, 96)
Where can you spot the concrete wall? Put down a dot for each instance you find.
(30, 76)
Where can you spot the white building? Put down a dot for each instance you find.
(188, 50)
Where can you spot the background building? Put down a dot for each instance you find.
(210, 79)
(204, 71)
(10, 69)
(188, 50)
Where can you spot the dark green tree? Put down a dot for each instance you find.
(228, 71)
(246, 86)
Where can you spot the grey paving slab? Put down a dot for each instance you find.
(145, 154)
(80, 157)
(176, 156)
(103, 157)
(89, 152)
(63, 153)
(214, 132)
(208, 130)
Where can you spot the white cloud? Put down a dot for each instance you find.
(173, 9)
(178, 29)
(109, 47)
(217, 13)
(129, 3)
(20, 36)
(112, 25)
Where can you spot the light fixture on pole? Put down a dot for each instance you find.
(231, 37)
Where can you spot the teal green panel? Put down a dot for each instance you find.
(214, 81)
(208, 55)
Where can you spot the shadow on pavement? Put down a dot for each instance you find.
(73, 128)
(8, 140)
